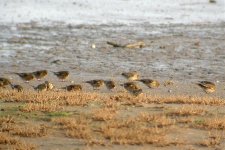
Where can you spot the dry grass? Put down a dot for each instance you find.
(138, 130)
(133, 136)
(104, 114)
(42, 106)
(7, 139)
(7, 119)
(121, 123)
(14, 143)
(64, 98)
(158, 120)
(104, 126)
(180, 99)
(30, 131)
(212, 141)
(82, 98)
(186, 111)
(210, 123)
(75, 128)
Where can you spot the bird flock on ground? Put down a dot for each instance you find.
(131, 86)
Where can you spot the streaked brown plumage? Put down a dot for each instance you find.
(26, 76)
(17, 87)
(50, 86)
(208, 87)
(133, 75)
(62, 74)
(133, 88)
(73, 87)
(40, 74)
(4, 82)
(110, 84)
(150, 83)
(41, 87)
(96, 84)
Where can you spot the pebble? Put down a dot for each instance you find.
(93, 46)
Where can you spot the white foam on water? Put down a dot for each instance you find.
(112, 11)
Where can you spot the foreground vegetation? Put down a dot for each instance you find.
(110, 120)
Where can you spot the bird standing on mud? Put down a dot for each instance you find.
(41, 87)
(110, 84)
(73, 87)
(96, 84)
(40, 74)
(4, 82)
(17, 87)
(26, 76)
(150, 83)
(133, 75)
(50, 86)
(62, 74)
(133, 88)
(208, 87)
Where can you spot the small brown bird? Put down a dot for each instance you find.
(4, 82)
(26, 76)
(133, 75)
(207, 86)
(150, 83)
(73, 87)
(17, 87)
(50, 86)
(41, 87)
(96, 84)
(110, 84)
(40, 74)
(62, 74)
(133, 88)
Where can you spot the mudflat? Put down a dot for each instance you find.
(179, 115)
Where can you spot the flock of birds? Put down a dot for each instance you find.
(131, 86)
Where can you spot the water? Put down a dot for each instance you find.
(113, 12)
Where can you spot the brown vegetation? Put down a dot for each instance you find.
(210, 123)
(104, 114)
(76, 128)
(186, 111)
(14, 143)
(30, 131)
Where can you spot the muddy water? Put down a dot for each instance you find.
(189, 52)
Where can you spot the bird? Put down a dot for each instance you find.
(50, 86)
(110, 84)
(62, 74)
(26, 76)
(40, 74)
(150, 83)
(212, 1)
(4, 82)
(132, 75)
(41, 87)
(208, 87)
(133, 88)
(96, 84)
(139, 44)
(73, 87)
(17, 87)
